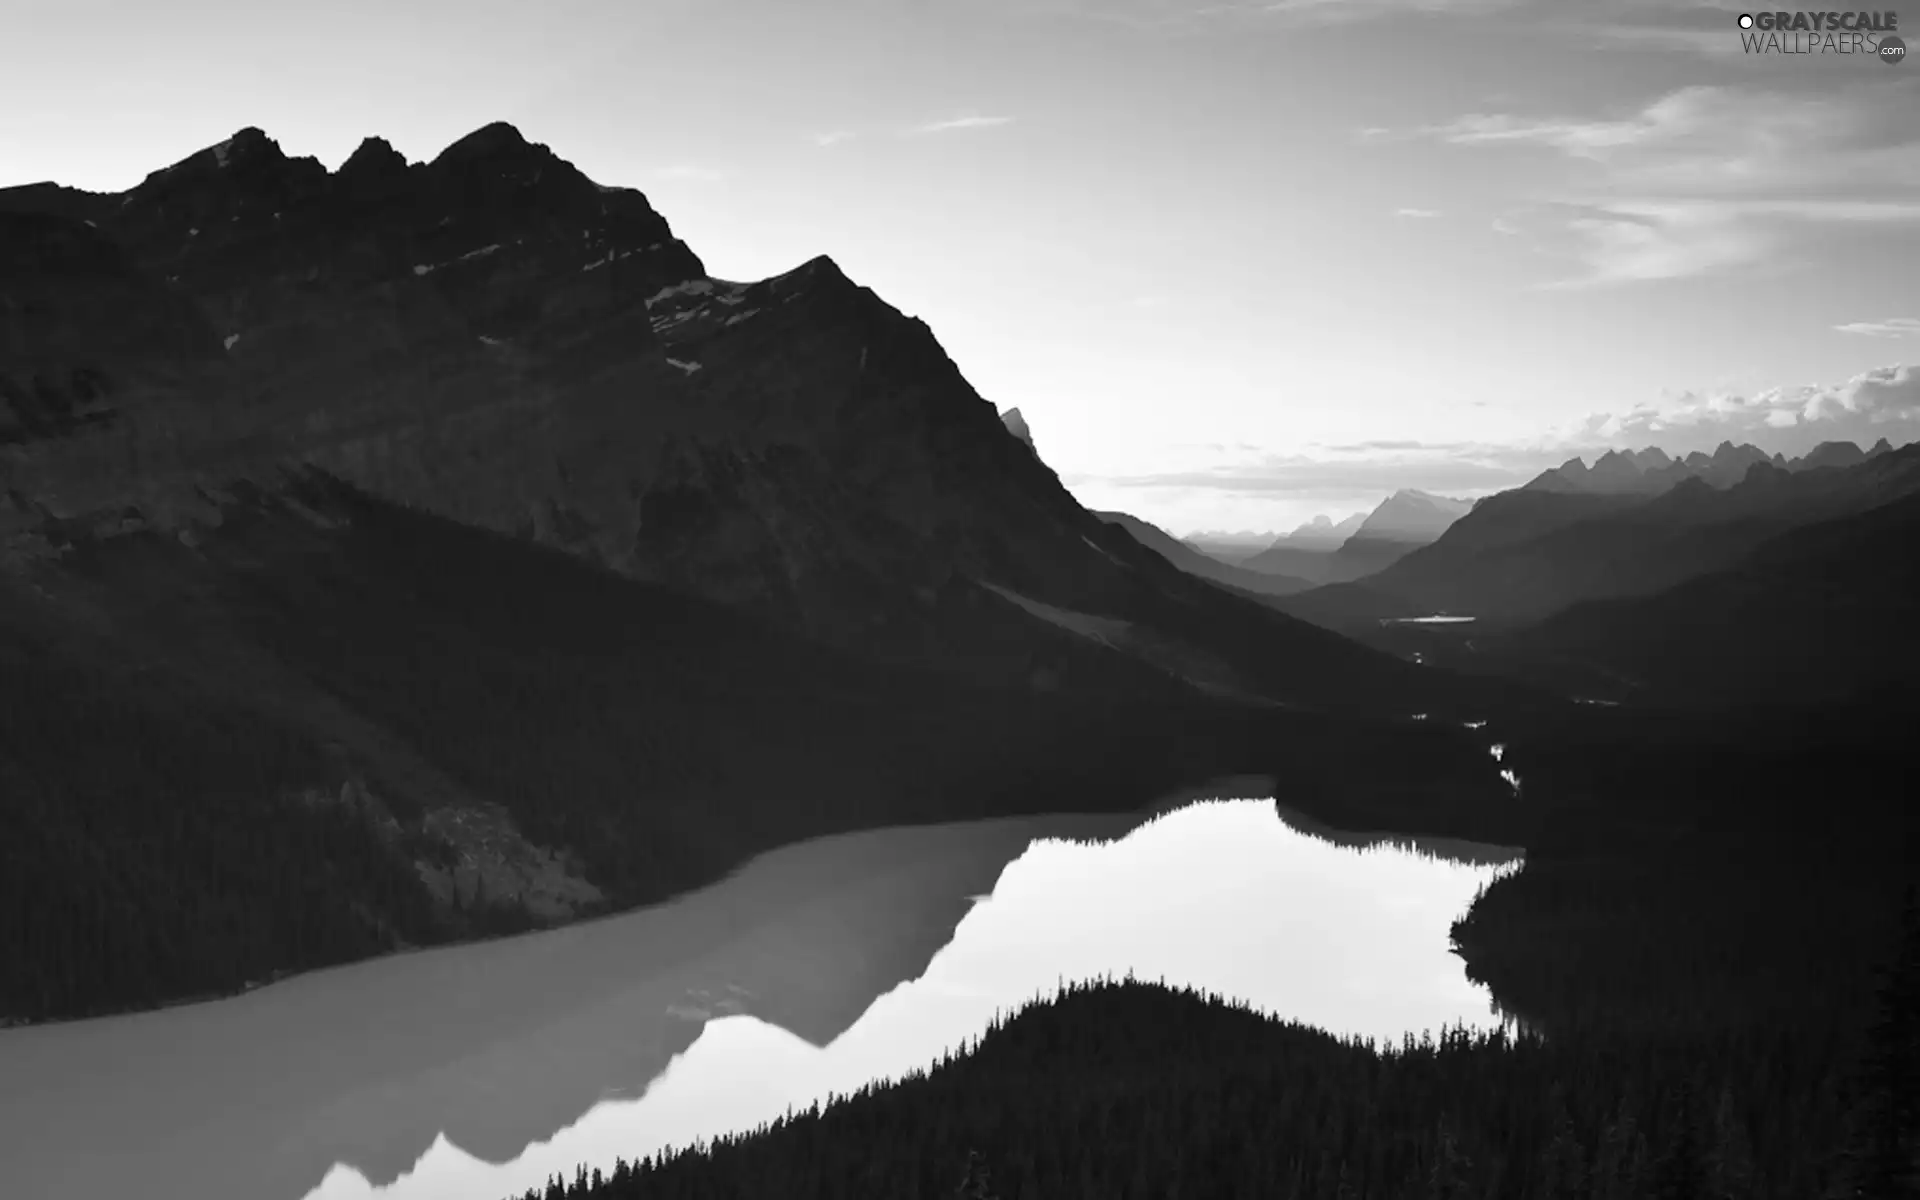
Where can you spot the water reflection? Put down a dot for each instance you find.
(448, 1074)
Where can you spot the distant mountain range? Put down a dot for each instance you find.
(1194, 562)
(1325, 551)
(1652, 471)
(1527, 553)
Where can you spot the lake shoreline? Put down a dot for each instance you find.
(1220, 787)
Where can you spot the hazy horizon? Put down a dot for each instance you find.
(1233, 272)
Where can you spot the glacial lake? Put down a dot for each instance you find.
(477, 1071)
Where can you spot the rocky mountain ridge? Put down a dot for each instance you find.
(1651, 470)
(493, 337)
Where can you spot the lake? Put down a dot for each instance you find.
(476, 1071)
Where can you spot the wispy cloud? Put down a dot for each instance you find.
(1714, 178)
(967, 122)
(689, 173)
(1357, 471)
(831, 138)
(1423, 214)
(1891, 327)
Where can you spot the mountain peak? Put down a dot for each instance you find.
(1017, 426)
(489, 141)
(372, 152)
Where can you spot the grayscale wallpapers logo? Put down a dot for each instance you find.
(1871, 34)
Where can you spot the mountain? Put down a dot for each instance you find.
(1522, 555)
(1403, 522)
(1306, 552)
(1324, 531)
(424, 550)
(1325, 551)
(495, 338)
(1193, 562)
(1017, 426)
(1652, 471)
(1822, 613)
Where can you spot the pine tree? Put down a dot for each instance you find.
(1680, 1175)
(1882, 1159)
(1730, 1163)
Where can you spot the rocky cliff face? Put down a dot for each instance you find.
(493, 337)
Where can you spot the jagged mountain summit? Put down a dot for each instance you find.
(1403, 522)
(1325, 551)
(1017, 426)
(1524, 554)
(493, 337)
(1652, 471)
(1324, 532)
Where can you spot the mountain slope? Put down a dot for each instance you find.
(1525, 554)
(322, 726)
(1193, 562)
(419, 551)
(1821, 613)
(1399, 525)
(495, 338)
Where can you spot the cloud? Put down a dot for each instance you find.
(1882, 402)
(1417, 213)
(1357, 471)
(1711, 178)
(831, 138)
(968, 122)
(684, 172)
(1891, 327)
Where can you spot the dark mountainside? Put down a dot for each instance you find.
(1193, 562)
(446, 554)
(497, 339)
(1820, 613)
(1524, 554)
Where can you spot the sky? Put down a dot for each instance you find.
(1236, 263)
